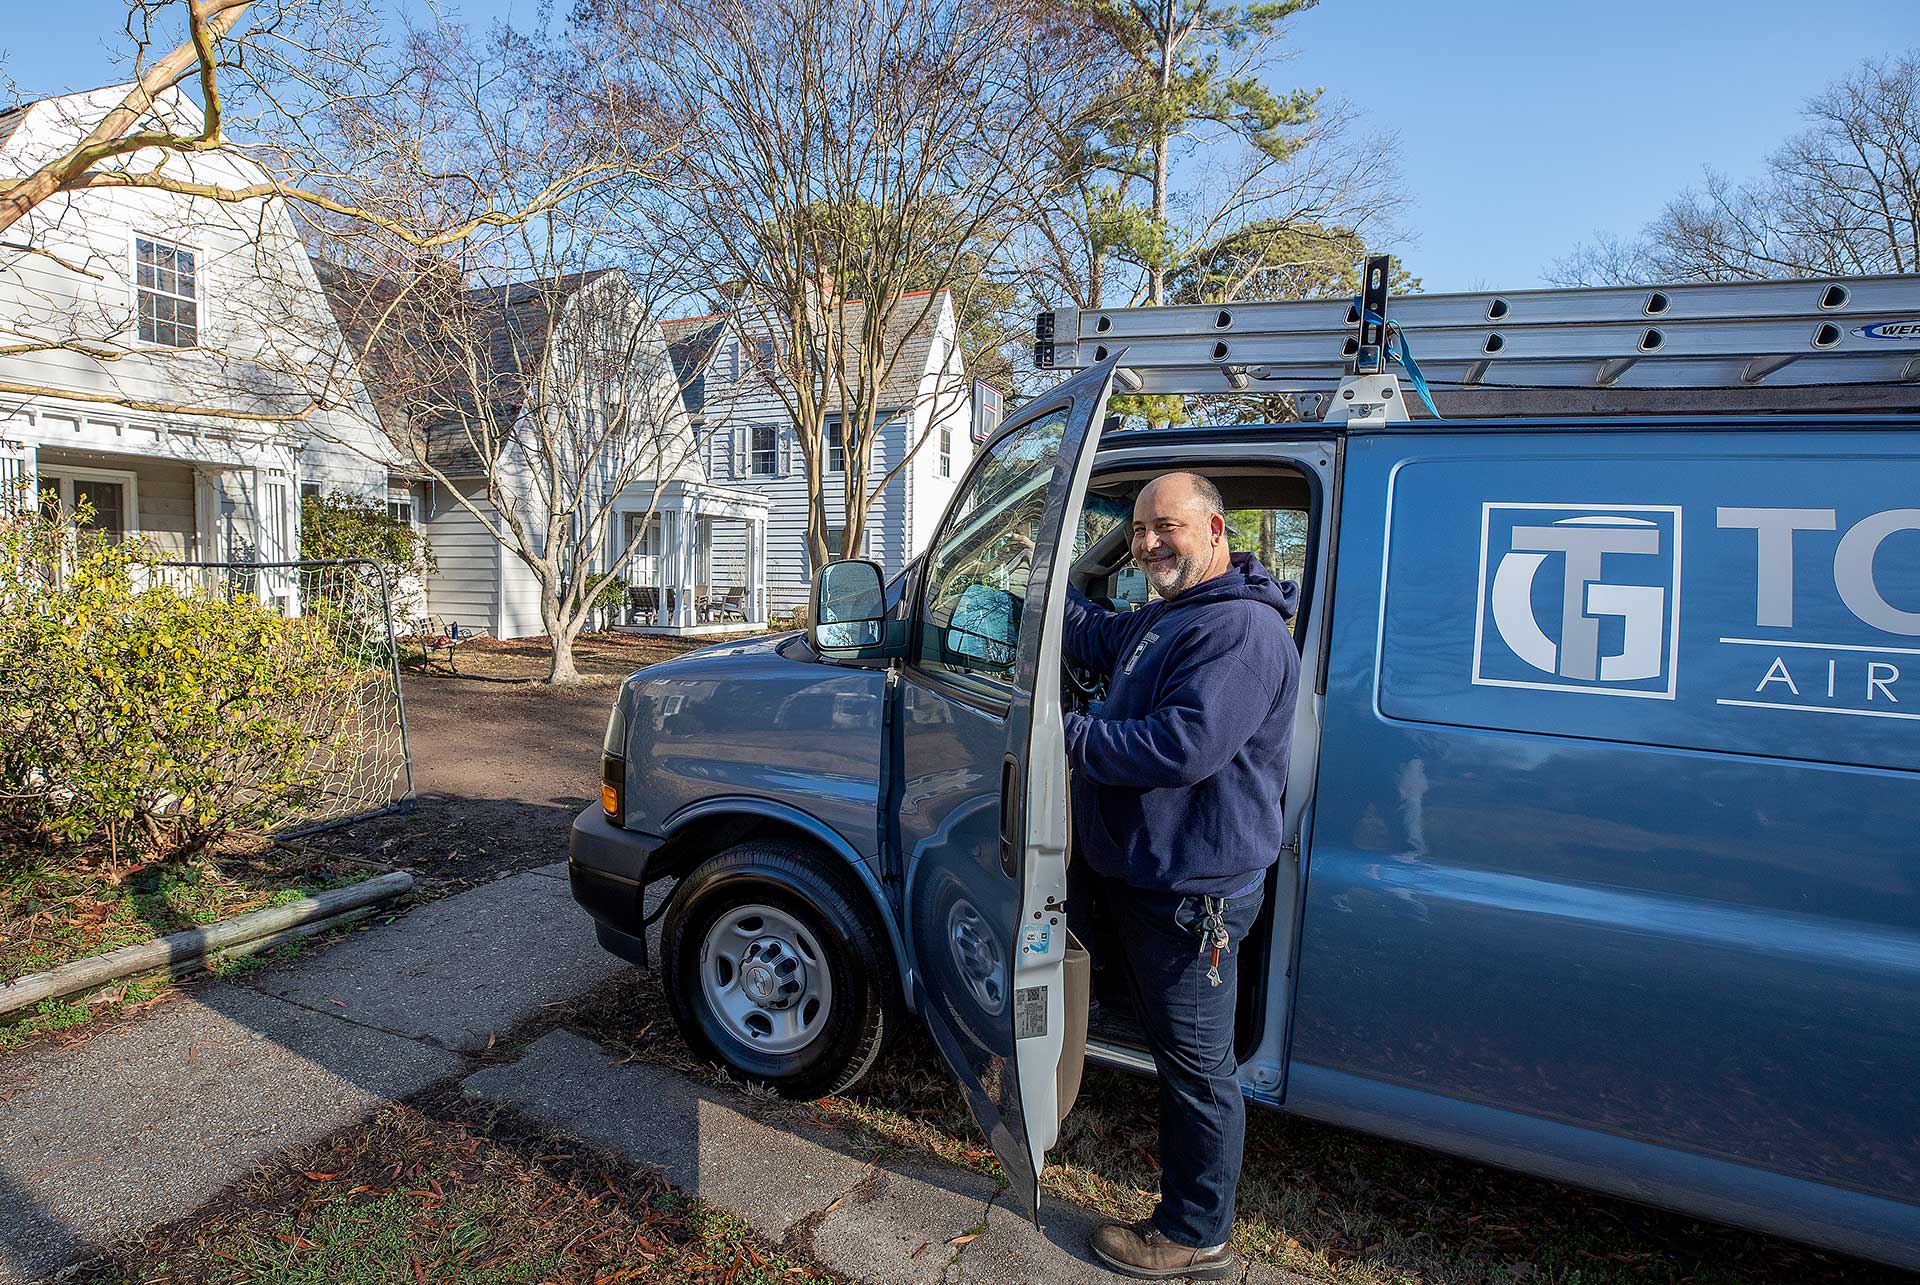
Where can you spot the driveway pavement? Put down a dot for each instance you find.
(150, 1120)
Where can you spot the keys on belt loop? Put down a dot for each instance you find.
(1213, 934)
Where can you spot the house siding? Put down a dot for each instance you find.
(500, 583)
(463, 585)
(789, 577)
(902, 517)
(166, 517)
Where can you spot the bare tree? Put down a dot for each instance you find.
(310, 111)
(297, 53)
(843, 164)
(535, 405)
(518, 369)
(1841, 198)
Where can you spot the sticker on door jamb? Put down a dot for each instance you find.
(1029, 1012)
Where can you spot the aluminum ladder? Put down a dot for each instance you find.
(1834, 344)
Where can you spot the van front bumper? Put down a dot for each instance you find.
(607, 869)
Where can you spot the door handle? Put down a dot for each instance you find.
(1010, 780)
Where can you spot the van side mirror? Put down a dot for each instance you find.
(849, 609)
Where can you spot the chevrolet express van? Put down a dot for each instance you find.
(1602, 848)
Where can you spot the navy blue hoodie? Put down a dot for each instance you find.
(1178, 781)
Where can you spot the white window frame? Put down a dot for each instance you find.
(754, 452)
(946, 449)
(130, 483)
(407, 496)
(839, 466)
(200, 318)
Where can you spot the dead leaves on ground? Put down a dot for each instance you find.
(435, 1200)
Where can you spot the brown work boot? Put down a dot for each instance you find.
(1138, 1249)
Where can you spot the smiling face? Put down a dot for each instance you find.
(1179, 534)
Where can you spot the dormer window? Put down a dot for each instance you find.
(165, 285)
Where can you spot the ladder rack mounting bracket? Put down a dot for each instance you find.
(1363, 400)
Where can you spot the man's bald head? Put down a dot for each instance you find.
(1180, 532)
(1178, 488)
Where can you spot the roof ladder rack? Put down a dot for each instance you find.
(1772, 345)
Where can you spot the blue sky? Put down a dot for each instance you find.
(1524, 127)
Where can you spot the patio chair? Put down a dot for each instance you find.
(643, 603)
(732, 605)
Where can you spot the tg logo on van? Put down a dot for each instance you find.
(1580, 599)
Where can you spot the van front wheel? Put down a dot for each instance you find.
(775, 965)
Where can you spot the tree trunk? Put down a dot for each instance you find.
(562, 670)
(817, 551)
(560, 638)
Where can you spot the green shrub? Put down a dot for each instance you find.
(138, 720)
(344, 526)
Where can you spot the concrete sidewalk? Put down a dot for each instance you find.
(147, 1121)
(151, 1119)
(864, 1215)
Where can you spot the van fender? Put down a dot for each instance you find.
(726, 806)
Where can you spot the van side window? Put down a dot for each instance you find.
(977, 577)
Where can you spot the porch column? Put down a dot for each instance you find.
(256, 493)
(757, 545)
(749, 556)
(685, 557)
(669, 541)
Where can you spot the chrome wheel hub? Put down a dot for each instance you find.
(766, 979)
(771, 973)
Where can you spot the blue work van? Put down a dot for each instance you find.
(1602, 852)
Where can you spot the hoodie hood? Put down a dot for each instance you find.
(1243, 578)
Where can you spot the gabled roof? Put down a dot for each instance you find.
(10, 120)
(61, 120)
(912, 324)
(691, 343)
(417, 382)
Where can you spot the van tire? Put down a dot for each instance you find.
(823, 909)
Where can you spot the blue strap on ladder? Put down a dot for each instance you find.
(1404, 355)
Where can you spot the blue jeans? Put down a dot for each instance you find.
(1189, 1025)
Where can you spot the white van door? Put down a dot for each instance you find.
(983, 821)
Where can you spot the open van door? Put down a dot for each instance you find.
(983, 779)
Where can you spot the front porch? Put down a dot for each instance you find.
(699, 563)
(191, 494)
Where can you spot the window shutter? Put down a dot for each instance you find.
(786, 452)
(738, 463)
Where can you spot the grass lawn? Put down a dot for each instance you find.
(1329, 1203)
(445, 1191)
(50, 916)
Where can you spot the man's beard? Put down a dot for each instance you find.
(1174, 576)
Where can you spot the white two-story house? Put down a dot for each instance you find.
(169, 362)
(924, 445)
(550, 387)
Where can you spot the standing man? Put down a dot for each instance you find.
(1177, 790)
